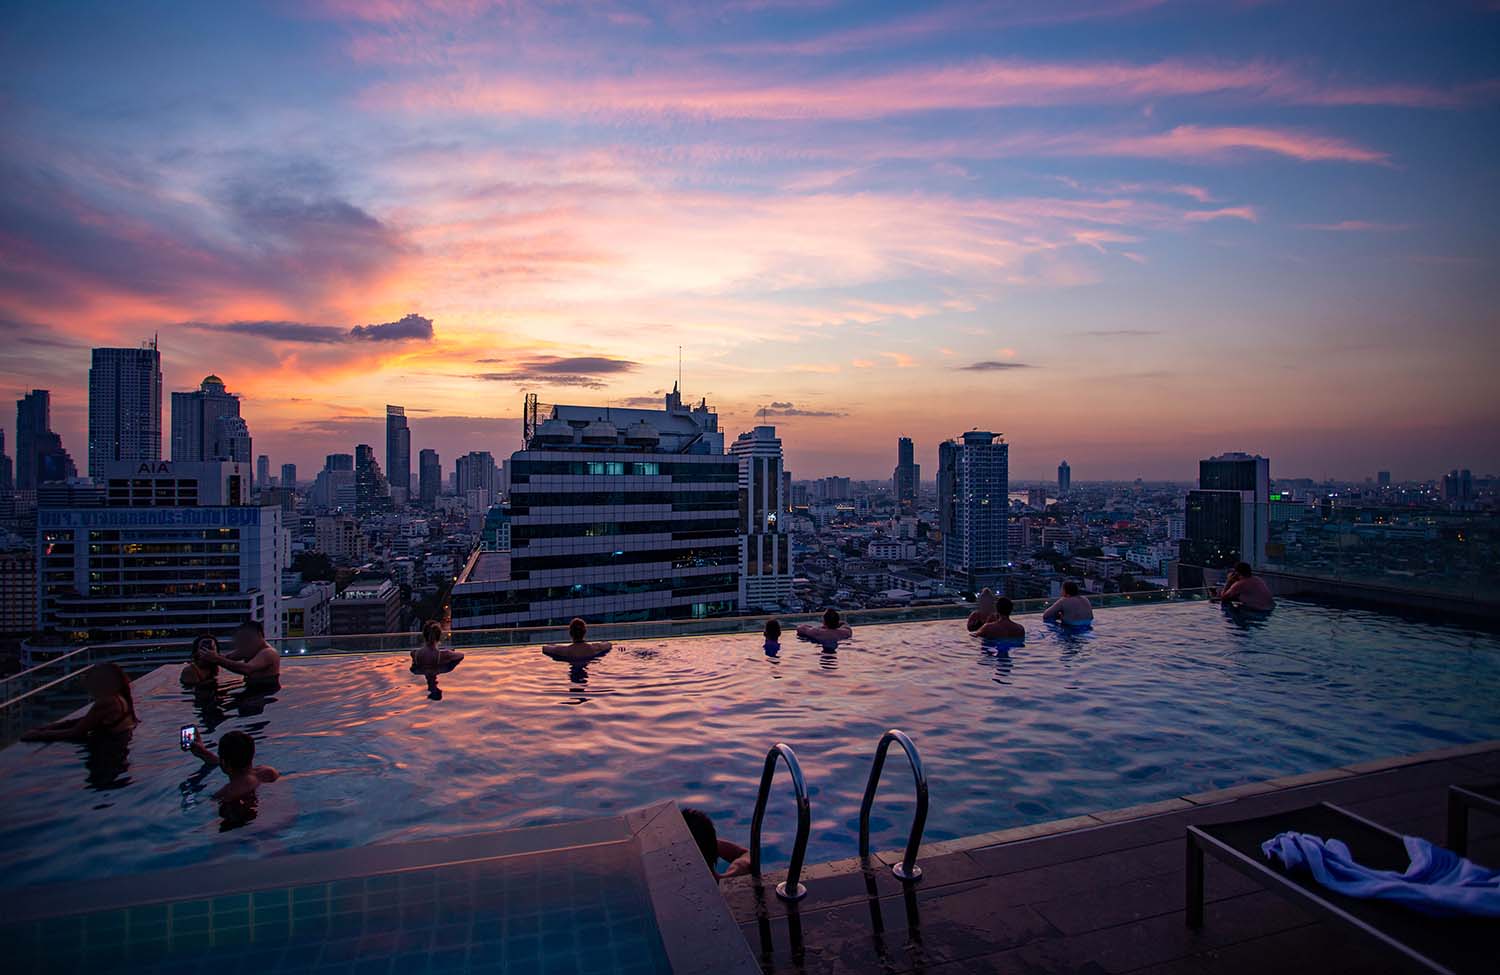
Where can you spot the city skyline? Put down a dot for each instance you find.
(1131, 234)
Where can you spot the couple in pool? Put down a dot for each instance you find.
(991, 619)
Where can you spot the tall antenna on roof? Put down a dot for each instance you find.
(679, 367)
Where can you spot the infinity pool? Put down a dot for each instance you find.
(1153, 702)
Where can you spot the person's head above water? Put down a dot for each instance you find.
(831, 618)
(986, 601)
(1004, 606)
(204, 643)
(249, 635)
(577, 629)
(704, 834)
(236, 751)
(432, 631)
(1070, 588)
(1243, 570)
(773, 630)
(109, 680)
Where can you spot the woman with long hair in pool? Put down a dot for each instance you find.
(112, 713)
(430, 661)
(200, 670)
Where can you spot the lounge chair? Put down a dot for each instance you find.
(1462, 798)
(1446, 945)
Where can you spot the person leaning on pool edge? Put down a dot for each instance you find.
(714, 849)
(832, 629)
(1071, 609)
(580, 649)
(1247, 589)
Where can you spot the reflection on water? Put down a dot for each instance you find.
(1152, 702)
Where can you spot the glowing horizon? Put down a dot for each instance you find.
(1127, 233)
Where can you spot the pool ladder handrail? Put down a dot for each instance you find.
(907, 869)
(790, 889)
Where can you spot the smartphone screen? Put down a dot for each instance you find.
(188, 734)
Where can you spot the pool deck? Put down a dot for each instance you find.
(1102, 893)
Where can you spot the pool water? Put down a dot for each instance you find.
(1152, 702)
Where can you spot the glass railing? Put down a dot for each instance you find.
(1424, 550)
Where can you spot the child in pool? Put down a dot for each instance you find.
(237, 758)
(430, 661)
(773, 637)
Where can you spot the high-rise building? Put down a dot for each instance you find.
(198, 434)
(397, 453)
(262, 472)
(906, 479)
(477, 479)
(7, 472)
(124, 407)
(372, 493)
(1064, 479)
(232, 440)
(1228, 519)
(765, 545)
(40, 457)
(1383, 479)
(615, 514)
(17, 591)
(289, 477)
(974, 503)
(172, 551)
(1458, 485)
(334, 486)
(429, 476)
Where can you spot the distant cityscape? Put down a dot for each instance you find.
(623, 515)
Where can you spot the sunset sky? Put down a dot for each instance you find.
(1122, 232)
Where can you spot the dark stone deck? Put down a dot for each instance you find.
(1103, 896)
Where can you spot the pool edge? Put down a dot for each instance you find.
(1114, 817)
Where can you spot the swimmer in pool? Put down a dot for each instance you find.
(200, 671)
(236, 757)
(251, 656)
(715, 849)
(580, 648)
(984, 612)
(1071, 610)
(832, 629)
(1248, 590)
(773, 637)
(112, 713)
(1001, 626)
(430, 661)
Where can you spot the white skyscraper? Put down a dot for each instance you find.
(765, 546)
(974, 503)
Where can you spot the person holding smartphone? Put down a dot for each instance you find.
(236, 757)
(200, 670)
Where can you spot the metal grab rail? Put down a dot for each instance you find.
(907, 869)
(790, 889)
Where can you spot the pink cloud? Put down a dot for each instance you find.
(1354, 226)
(1236, 213)
(1211, 142)
(698, 91)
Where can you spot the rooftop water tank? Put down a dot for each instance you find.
(642, 434)
(554, 431)
(601, 432)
